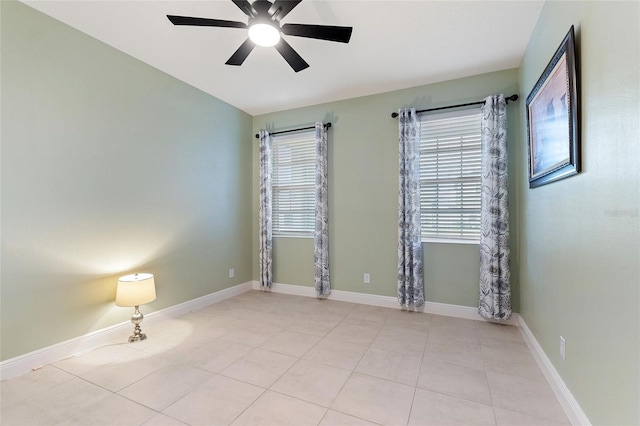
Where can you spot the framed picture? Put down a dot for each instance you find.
(553, 110)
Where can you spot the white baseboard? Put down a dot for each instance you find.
(435, 308)
(571, 407)
(27, 362)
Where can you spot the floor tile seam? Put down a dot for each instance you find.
(244, 381)
(381, 378)
(309, 334)
(272, 352)
(353, 371)
(369, 347)
(495, 415)
(357, 417)
(112, 393)
(537, 416)
(332, 365)
(248, 406)
(323, 416)
(517, 410)
(31, 404)
(524, 350)
(310, 349)
(331, 407)
(40, 392)
(398, 351)
(484, 364)
(146, 406)
(262, 391)
(541, 414)
(298, 356)
(386, 378)
(80, 378)
(415, 388)
(171, 403)
(98, 386)
(454, 396)
(327, 408)
(39, 411)
(333, 328)
(502, 337)
(164, 414)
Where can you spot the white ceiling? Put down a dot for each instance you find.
(395, 45)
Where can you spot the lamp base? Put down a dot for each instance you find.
(136, 319)
(137, 337)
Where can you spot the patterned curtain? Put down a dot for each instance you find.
(495, 286)
(410, 286)
(321, 234)
(265, 255)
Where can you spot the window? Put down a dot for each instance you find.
(293, 183)
(450, 176)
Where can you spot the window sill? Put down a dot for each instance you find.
(450, 241)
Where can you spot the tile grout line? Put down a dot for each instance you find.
(352, 372)
(415, 388)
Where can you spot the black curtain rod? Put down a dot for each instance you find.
(326, 126)
(508, 98)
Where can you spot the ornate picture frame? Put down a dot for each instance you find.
(553, 117)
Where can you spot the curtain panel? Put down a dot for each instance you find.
(265, 254)
(410, 278)
(321, 232)
(495, 274)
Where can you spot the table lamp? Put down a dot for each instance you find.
(136, 290)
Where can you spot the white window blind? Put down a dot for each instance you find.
(450, 175)
(293, 183)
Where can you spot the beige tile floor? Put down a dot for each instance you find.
(274, 359)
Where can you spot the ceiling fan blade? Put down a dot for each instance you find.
(322, 32)
(205, 22)
(241, 54)
(281, 8)
(291, 56)
(245, 6)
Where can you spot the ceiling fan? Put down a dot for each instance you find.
(265, 30)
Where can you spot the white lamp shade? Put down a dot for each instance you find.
(135, 290)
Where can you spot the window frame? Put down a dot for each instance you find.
(303, 165)
(474, 201)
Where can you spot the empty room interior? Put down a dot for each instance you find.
(132, 155)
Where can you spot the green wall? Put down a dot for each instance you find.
(579, 237)
(108, 167)
(363, 194)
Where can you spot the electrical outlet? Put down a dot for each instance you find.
(367, 278)
(563, 348)
(232, 273)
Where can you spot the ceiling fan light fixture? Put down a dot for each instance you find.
(264, 34)
(265, 30)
